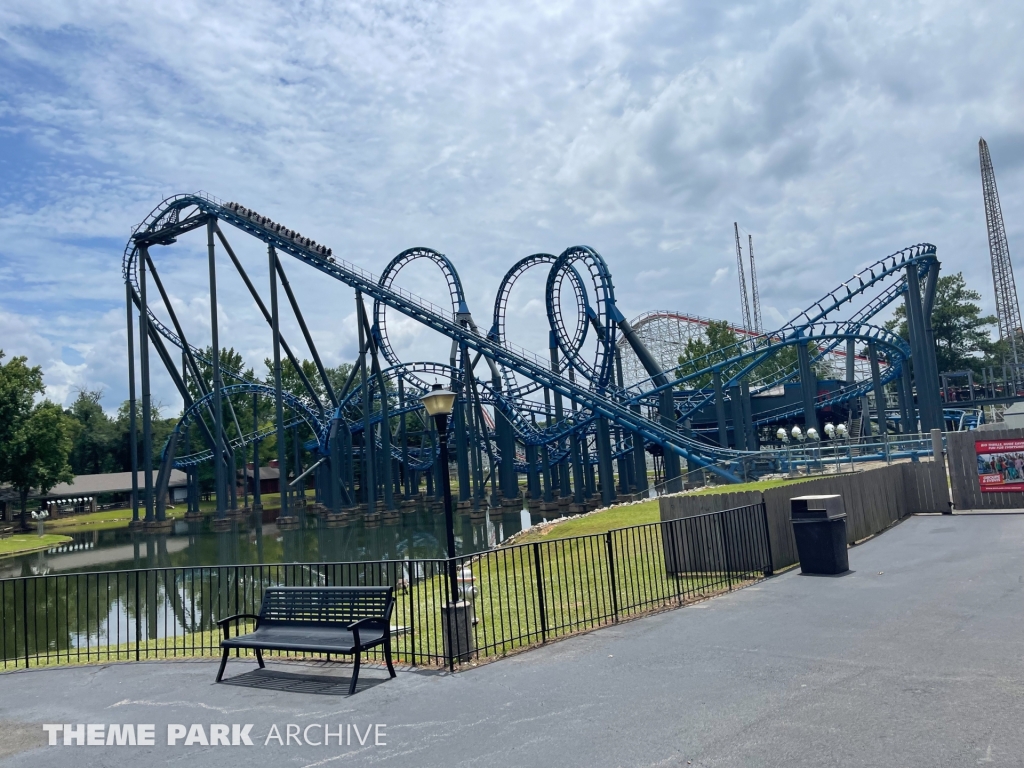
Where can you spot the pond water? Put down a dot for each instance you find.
(250, 540)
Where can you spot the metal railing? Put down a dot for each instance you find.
(522, 594)
(845, 454)
(806, 459)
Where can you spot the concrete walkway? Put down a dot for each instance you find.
(914, 659)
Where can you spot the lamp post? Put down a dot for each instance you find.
(843, 435)
(782, 435)
(457, 619)
(815, 438)
(833, 436)
(438, 403)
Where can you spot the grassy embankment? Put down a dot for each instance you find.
(119, 518)
(29, 542)
(625, 515)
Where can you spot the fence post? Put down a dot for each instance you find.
(770, 570)
(449, 618)
(410, 611)
(675, 532)
(540, 592)
(24, 617)
(614, 589)
(725, 548)
(138, 618)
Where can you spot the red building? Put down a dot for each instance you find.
(270, 478)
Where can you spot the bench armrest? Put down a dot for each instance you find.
(223, 623)
(355, 626)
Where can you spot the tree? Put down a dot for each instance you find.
(97, 441)
(230, 362)
(723, 343)
(292, 382)
(699, 354)
(962, 339)
(233, 407)
(786, 361)
(37, 456)
(339, 375)
(19, 386)
(35, 439)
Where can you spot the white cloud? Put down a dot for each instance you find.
(489, 131)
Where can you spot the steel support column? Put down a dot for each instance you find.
(257, 499)
(901, 398)
(879, 390)
(808, 387)
(927, 306)
(606, 471)
(723, 427)
(749, 430)
(275, 331)
(461, 445)
(919, 348)
(147, 418)
(369, 474)
(133, 446)
(218, 409)
(739, 433)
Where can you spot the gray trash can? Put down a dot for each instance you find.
(819, 525)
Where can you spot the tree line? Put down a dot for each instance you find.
(43, 444)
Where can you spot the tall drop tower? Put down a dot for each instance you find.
(758, 326)
(1007, 307)
(744, 300)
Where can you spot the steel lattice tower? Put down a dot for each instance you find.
(758, 327)
(1007, 307)
(744, 301)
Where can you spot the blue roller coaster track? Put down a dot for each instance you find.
(556, 418)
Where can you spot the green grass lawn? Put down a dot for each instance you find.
(625, 515)
(759, 485)
(100, 521)
(614, 517)
(29, 542)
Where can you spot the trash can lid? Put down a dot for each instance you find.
(823, 507)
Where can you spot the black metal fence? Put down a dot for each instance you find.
(521, 595)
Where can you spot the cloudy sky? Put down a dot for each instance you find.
(835, 133)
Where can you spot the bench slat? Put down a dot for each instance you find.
(332, 606)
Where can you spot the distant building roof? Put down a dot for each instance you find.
(112, 482)
(266, 473)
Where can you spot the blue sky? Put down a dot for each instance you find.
(835, 133)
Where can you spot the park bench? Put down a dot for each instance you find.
(339, 620)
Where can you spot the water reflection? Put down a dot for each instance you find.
(250, 540)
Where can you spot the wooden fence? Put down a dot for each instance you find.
(963, 471)
(874, 500)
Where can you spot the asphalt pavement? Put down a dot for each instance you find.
(915, 658)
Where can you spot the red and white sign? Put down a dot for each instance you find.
(1000, 465)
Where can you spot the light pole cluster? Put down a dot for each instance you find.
(834, 432)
